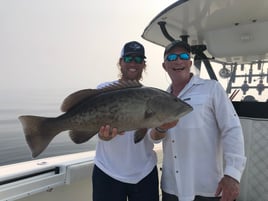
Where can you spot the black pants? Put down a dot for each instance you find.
(170, 197)
(105, 188)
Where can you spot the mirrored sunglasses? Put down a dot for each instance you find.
(137, 59)
(174, 57)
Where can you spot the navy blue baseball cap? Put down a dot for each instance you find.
(133, 47)
(177, 44)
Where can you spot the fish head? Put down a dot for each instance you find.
(167, 107)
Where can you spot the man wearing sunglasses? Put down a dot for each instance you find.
(196, 148)
(124, 170)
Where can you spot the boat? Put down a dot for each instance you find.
(228, 42)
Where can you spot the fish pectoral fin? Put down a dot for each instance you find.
(148, 113)
(139, 134)
(79, 137)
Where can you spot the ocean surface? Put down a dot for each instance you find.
(43, 102)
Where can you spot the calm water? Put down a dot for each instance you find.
(13, 147)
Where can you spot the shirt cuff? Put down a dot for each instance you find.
(232, 172)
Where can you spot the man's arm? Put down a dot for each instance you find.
(159, 133)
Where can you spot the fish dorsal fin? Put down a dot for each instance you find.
(120, 85)
(76, 97)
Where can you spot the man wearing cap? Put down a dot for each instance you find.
(125, 170)
(204, 152)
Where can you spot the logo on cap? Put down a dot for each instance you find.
(133, 47)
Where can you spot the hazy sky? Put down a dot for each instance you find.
(73, 43)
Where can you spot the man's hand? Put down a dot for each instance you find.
(169, 125)
(157, 134)
(106, 133)
(229, 188)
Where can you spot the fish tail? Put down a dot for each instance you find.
(39, 131)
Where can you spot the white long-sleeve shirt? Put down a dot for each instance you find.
(205, 144)
(124, 160)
